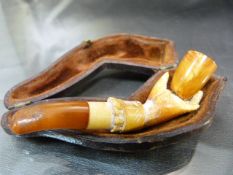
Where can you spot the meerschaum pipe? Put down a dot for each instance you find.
(115, 115)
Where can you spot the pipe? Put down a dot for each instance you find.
(115, 115)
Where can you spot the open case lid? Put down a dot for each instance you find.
(120, 51)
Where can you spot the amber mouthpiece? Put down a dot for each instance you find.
(192, 74)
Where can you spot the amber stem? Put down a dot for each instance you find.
(49, 116)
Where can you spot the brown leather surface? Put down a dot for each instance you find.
(131, 49)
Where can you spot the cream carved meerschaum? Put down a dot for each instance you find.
(120, 116)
